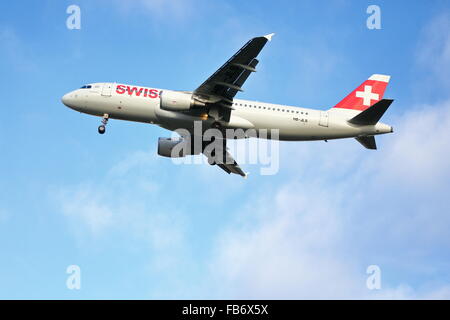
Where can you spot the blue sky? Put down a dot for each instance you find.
(141, 227)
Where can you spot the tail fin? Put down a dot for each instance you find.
(369, 92)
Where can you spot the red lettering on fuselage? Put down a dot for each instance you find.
(153, 93)
(137, 91)
(120, 89)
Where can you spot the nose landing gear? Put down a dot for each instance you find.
(102, 127)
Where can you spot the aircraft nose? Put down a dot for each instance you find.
(68, 100)
(65, 99)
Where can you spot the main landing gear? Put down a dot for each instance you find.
(216, 125)
(102, 127)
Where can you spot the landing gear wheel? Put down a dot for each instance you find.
(216, 125)
(101, 129)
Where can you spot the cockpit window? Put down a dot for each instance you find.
(86, 87)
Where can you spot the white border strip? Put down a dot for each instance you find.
(380, 77)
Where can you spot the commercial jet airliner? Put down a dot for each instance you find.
(213, 105)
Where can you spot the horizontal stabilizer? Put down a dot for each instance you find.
(368, 142)
(373, 114)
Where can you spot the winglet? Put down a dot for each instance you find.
(269, 36)
(246, 175)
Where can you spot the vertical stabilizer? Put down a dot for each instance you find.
(366, 94)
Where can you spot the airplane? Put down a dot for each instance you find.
(214, 106)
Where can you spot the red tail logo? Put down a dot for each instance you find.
(369, 92)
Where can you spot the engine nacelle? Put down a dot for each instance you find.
(175, 148)
(178, 101)
(166, 147)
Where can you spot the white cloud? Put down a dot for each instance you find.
(313, 237)
(131, 161)
(418, 151)
(290, 250)
(83, 205)
(407, 292)
(123, 202)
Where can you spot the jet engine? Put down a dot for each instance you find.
(175, 148)
(178, 100)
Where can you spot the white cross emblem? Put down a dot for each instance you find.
(367, 95)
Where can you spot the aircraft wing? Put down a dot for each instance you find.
(232, 167)
(227, 162)
(223, 85)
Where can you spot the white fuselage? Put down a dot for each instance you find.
(293, 123)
